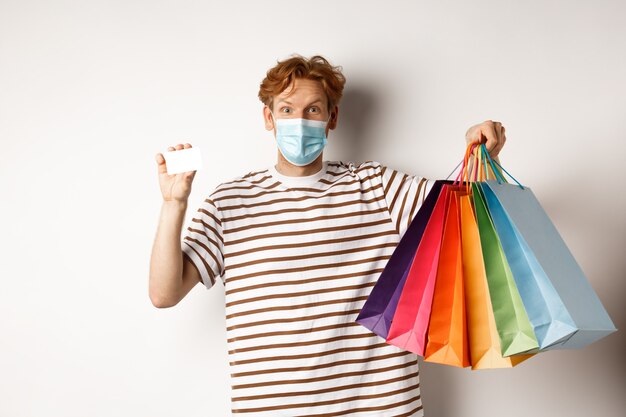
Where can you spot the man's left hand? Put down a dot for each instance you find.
(489, 132)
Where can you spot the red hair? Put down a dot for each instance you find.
(316, 68)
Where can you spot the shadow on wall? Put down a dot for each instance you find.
(438, 389)
(599, 226)
(357, 111)
(611, 350)
(357, 117)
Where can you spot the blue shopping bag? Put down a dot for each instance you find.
(541, 238)
(548, 315)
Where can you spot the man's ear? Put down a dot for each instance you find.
(334, 115)
(267, 118)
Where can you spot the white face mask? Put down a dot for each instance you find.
(300, 140)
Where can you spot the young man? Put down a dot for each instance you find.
(298, 246)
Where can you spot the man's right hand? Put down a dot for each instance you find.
(175, 187)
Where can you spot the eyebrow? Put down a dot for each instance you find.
(288, 102)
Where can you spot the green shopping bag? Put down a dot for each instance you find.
(514, 327)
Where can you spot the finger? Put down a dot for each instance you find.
(496, 149)
(488, 130)
(497, 127)
(501, 141)
(161, 166)
(179, 146)
(187, 145)
(188, 176)
(474, 136)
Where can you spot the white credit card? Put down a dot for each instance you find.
(183, 160)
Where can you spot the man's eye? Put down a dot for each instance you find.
(313, 109)
(285, 109)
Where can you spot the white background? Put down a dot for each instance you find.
(90, 91)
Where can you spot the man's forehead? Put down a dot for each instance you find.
(307, 99)
(304, 88)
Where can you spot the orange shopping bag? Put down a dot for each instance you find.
(484, 342)
(447, 332)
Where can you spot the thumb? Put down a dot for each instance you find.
(161, 166)
(188, 176)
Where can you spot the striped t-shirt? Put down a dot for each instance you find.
(298, 257)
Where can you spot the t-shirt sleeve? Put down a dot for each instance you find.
(203, 242)
(404, 194)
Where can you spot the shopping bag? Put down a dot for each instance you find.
(447, 328)
(552, 254)
(484, 342)
(552, 323)
(410, 321)
(514, 328)
(379, 308)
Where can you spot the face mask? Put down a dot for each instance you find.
(300, 140)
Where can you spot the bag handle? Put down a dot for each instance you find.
(479, 170)
(499, 168)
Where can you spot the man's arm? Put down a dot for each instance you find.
(172, 274)
(191, 277)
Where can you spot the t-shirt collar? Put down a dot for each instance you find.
(298, 181)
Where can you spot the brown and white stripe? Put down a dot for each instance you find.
(298, 257)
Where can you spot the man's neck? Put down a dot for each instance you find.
(286, 168)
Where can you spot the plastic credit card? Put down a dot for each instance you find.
(183, 160)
